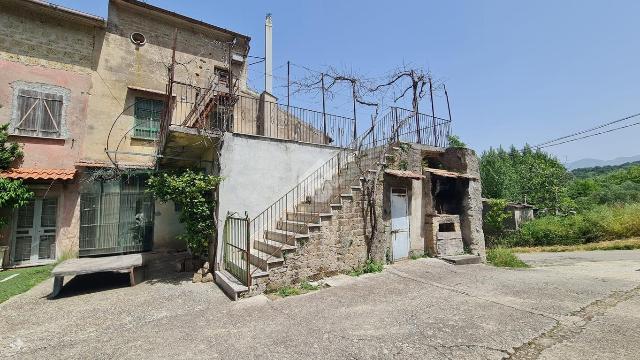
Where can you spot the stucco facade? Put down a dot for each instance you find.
(94, 72)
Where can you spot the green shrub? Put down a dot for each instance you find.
(502, 257)
(307, 286)
(455, 142)
(599, 224)
(370, 266)
(288, 291)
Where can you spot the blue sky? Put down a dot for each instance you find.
(517, 72)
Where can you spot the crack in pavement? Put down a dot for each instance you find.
(571, 327)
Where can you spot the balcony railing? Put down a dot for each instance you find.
(216, 110)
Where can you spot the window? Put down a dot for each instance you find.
(221, 117)
(147, 115)
(222, 75)
(39, 112)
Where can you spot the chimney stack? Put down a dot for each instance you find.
(268, 55)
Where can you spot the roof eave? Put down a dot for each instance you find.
(185, 18)
(89, 19)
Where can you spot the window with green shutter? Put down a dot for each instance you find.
(147, 115)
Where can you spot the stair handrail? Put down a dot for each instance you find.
(355, 146)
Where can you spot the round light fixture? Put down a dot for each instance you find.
(138, 39)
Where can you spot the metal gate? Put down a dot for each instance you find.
(116, 217)
(237, 247)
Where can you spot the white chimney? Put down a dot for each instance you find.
(268, 55)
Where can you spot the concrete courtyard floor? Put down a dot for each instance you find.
(568, 306)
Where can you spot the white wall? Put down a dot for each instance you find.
(257, 171)
(167, 227)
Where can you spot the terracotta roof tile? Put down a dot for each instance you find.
(39, 174)
(404, 174)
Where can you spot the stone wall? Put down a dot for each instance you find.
(337, 247)
(33, 36)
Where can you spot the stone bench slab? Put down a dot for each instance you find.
(131, 263)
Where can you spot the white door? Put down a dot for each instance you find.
(35, 231)
(399, 223)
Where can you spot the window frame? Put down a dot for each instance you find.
(45, 96)
(138, 129)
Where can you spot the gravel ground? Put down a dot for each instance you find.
(573, 305)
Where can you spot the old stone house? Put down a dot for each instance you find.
(99, 104)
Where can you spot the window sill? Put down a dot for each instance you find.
(142, 138)
(61, 139)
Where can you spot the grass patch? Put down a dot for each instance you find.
(502, 257)
(286, 291)
(370, 266)
(628, 244)
(26, 279)
(293, 290)
(307, 286)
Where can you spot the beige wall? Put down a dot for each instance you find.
(122, 65)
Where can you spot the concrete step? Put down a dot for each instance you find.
(285, 237)
(304, 217)
(229, 284)
(265, 261)
(273, 247)
(462, 259)
(314, 207)
(299, 227)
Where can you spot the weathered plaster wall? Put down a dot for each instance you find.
(122, 64)
(42, 152)
(257, 171)
(166, 228)
(42, 49)
(33, 36)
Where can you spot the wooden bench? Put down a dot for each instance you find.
(132, 264)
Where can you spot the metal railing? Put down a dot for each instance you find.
(237, 247)
(415, 128)
(214, 109)
(317, 192)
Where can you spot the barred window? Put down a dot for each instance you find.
(39, 113)
(147, 116)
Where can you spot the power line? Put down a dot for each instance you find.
(546, 143)
(590, 135)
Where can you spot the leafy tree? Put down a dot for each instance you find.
(192, 192)
(527, 174)
(496, 216)
(13, 193)
(9, 151)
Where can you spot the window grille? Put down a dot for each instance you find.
(39, 114)
(147, 116)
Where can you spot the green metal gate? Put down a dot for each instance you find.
(237, 247)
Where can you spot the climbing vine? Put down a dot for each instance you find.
(13, 193)
(192, 192)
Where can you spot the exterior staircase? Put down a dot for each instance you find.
(283, 227)
(285, 232)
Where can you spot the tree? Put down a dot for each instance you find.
(192, 192)
(525, 175)
(455, 142)
(13, 193)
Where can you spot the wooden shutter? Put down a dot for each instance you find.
(147, 115)
(39, 114)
